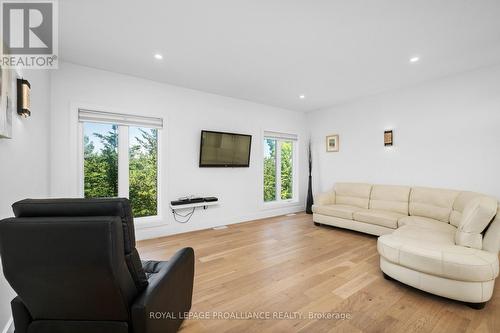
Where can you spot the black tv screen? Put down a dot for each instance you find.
(220, 149)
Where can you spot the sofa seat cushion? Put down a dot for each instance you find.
(426, 223)
(342, 211)
(434, 252)
(152, 267)
(379, 217)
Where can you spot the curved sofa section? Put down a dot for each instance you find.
(441, 241)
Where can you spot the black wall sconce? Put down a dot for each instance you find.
(388, 138)
(23, 97)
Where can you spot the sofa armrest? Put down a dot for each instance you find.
(161, 308)
(491, 238)
(326, 198)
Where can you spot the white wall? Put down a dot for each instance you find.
(446, 134)
(24, 163)
(185, 112)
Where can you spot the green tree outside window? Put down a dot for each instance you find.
(271, 192)
(101, 166)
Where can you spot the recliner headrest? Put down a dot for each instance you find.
(80, 207)
(72, 207)
(90, 207)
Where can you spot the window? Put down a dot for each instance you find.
(120, 158)
(279, 171)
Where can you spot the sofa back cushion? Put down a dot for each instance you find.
(432, 203)
(476, 216)
(461, 201)
(390, 198)
(353, 194)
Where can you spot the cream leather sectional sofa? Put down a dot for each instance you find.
(441, 241)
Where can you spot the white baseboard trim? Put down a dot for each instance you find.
(176, 228)
(8, 326)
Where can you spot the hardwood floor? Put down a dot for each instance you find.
(286, 264)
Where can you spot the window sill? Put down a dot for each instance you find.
(280, 204)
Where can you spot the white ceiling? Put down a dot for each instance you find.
(272, 51)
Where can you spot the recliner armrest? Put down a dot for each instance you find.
(21, 316)
(162, 306)
(326, 198)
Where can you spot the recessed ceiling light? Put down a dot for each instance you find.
(302, 96)
(414, 59)
(158, 56)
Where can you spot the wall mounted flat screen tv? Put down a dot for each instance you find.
(225, 150)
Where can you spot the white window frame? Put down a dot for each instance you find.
(123, 166)
(281, 137)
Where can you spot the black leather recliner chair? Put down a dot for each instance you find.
(75, 269)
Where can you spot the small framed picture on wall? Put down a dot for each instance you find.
(388, 138)
(332, 143)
